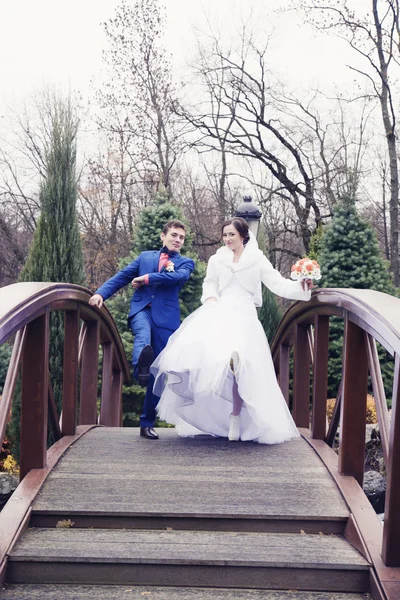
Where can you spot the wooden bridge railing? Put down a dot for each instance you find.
(369, 317)
(25, 313)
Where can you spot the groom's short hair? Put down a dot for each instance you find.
(174, 223)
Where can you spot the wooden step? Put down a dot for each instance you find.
(115, 592)
(185, 558)
(187, 522)
(190, 483)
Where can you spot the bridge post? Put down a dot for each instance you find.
(391, 527)
(354, 406)
(70, 375)
(106, 385)
(89, 374)
(116, 400)
(320, 377)
(301, 377)
(283, 376)
(34, 407)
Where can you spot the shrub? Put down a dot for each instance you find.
(10, 465)
(371, 409)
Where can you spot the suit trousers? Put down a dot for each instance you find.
(145, 332)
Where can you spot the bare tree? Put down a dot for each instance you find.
(197, 192)
(246, 114)
(248, 123)
(333, 145)
(139, 93)
(14, 243)
(375, 36)
(377, 210)
(109, 199)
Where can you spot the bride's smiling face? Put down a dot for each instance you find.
(232, 238)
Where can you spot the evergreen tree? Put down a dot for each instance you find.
(56, 254)
(350, 258)
(147, 237)
(270, 312)
(315, 243)
(5, 355)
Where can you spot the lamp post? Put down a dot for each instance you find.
(251, 213)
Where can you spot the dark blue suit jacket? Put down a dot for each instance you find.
(162, 292)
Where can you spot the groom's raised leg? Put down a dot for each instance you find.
(141, 329)
(146, 357)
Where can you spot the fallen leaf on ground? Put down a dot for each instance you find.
(65, 523)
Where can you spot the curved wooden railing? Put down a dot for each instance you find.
(25, 313)
(369, 317)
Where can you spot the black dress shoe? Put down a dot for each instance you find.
(149, 433)
(146, 357)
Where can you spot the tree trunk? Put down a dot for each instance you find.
(394, 208)
(389, 124)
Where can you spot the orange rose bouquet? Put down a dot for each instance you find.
(305, 268)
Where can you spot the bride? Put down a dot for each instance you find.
(216, 374)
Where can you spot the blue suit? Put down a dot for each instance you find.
(154, 310)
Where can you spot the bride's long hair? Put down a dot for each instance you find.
(241, 227)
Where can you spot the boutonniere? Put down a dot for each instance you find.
(169, 266)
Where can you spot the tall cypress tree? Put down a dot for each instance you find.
(56, 254)
(350, 257)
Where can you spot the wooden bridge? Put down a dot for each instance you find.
(104, 513)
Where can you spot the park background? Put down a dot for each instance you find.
(115, 116)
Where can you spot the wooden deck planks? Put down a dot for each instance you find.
(116, 471)
(188, 547)
(116, 476)
(89, 592)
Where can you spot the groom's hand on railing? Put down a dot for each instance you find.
(96, 300)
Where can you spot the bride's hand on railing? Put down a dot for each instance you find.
(307, 284)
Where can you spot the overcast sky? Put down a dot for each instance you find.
(54, 42)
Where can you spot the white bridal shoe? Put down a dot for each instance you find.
(234, 428)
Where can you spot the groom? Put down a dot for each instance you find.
(157, 276)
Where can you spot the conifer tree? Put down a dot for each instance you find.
(315, 243)
(270, 312)
(56, 254)
(350, 258)
(5, 355)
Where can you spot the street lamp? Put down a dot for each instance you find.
(251, 213)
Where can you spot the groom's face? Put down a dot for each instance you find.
(173, 239)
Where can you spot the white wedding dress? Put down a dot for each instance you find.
(193, 374)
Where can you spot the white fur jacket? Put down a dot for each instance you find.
(252, 269)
